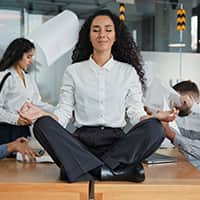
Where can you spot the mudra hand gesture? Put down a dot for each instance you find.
(31, 112)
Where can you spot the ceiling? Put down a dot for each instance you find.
(85, 7)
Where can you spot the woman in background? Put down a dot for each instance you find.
(17, 89)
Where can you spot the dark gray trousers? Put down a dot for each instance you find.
(91, 147)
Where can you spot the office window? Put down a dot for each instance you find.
(9, 27)
(194, 34)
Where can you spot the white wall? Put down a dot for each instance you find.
(49, 78)
(167, 65)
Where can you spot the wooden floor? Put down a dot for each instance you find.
(26, 181)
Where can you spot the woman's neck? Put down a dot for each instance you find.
(101, 58)
(19, 71)
(20, 74)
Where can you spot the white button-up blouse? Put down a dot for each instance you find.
(100, 95)
(14, 94)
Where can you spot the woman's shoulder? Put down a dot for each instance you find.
(76, 66)
(4, 72)
(6, 79)
(127, 68)
(123, 64)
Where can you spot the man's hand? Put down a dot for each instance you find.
(170, 134)
(166, 116)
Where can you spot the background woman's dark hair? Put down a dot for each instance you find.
(124, 49)
(14, 52)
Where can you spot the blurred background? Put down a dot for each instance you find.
(153, 24)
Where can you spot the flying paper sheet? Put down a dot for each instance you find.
(56, 36)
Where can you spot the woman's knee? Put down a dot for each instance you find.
(153, 127)
(42, 123)
(156, 128)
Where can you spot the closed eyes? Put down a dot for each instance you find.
(98, 30)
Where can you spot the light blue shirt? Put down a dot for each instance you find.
(189, 140)
(3, 151)
(159, 96)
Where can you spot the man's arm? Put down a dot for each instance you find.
(188, 146)
(184, 144)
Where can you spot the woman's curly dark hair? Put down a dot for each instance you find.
(124, 48)
(14, 52)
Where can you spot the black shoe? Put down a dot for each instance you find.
(133, 173)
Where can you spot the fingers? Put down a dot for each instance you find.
(23, 121)
(174, 112)
(32, 156)
(25, 107)
(24, 156)
(24, 110)
(31, 113)
(28, 155)
(21, 145)
(22, 118)
(167, 116)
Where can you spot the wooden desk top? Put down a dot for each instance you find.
(180, 172)
(15, 171)
(172, 173)
(174, 181)
(37, 181)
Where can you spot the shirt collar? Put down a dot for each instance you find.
(14, 72)
(107, 66)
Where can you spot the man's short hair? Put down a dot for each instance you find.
(187, 87)
(184, 87)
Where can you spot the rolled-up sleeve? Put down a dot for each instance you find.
(66, 103)
(187, 145)
(134, 105)
(8, 117)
